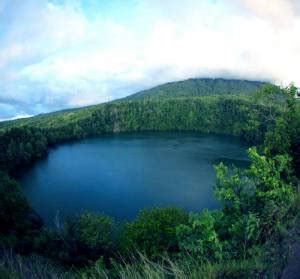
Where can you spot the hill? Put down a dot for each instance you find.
(180, 89)
(199, 87)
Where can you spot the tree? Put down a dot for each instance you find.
(280, 111)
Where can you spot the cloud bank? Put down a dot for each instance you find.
(61, 53)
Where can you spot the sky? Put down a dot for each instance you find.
(58, 54)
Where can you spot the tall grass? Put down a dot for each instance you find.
(140, 267)
(13, 266)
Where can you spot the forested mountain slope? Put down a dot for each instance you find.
(200, 87)
(180, 89)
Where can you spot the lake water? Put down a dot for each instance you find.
(120, 174)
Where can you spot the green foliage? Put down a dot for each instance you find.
(82, 239)
(19, 146)
(17, 220)
(97, 270)
(199, 237)
(92, 232)
(255, 201)
(154, 231)
(295, 152)
(199, 87)
(271, 177)
(280, 111)
(5, 274)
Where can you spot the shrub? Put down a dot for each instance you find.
(83, 239)
(91, 231)
(154, 231)
(199, 237)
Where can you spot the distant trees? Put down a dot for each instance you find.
(239, 116)
(19, 145)
(199, 87)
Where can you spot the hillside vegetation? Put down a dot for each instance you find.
(180, 89)
(200, 87)
(242, 239)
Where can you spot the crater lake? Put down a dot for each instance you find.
(120, 174)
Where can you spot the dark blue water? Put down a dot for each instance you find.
(120, 174)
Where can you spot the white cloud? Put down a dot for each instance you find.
(18, 116)
(55, 56)
(279, 12)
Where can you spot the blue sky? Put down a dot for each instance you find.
(57, 54)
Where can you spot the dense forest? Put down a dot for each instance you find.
(242, 239)
(180, 89)
(200, 87)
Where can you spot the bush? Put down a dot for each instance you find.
(154, 231)
(199, 237)
(92, 232)
(83, 239)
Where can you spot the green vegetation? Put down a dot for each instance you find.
(18, 223)
(240, 240)
(199, 87)
(81, 239)
(153, 232)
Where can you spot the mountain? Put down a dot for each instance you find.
(199, 87)
(180, 89)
